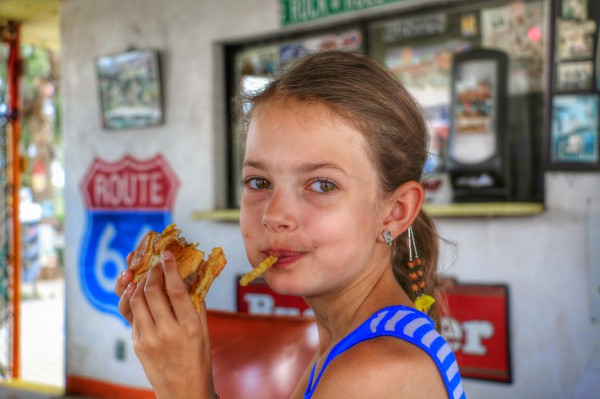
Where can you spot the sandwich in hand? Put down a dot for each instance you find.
(197, 273)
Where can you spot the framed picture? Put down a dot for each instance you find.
(574, 132)
(130, 89)
(574, 9)
(574, 76)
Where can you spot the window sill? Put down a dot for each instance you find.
(491, 209)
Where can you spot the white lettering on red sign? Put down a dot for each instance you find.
(130, 184)
(128, 189)
(264, 304)
(467, 337)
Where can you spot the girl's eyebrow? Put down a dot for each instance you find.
(254, 164)
(311, 167)
(303, 168)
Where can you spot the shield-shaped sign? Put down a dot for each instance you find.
(124, 200)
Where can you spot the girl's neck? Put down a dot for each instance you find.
(339, 313)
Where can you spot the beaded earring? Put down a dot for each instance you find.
(422, 301)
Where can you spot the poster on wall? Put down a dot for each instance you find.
(518, 29)
(130, 89)
(574, 75)
(124, 200)
(476, 326)
(574, 139)
(350, 40)
(575, 39)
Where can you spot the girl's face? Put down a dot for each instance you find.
(310, 198)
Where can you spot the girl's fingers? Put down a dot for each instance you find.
(123, 281)
(142, 316)
(178, 295)
(204, 323)
(124, 306)
(158, 302)
(124, 278)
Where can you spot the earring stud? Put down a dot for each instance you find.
(387, 236)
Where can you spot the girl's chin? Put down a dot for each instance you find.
(282, 287)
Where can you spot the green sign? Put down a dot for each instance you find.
(297, 11)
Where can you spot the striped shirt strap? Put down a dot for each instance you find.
(407, 324)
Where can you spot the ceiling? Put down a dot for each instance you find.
(40, 20)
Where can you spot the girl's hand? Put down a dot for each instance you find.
(169, 337)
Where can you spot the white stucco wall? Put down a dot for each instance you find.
(546, 260)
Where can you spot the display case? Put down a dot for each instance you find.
(485, 113)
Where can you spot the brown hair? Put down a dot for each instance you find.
(369, 96)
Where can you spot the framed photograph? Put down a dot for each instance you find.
(574, 132)
(574, 76)
(130, 89)
(575, 39)
(574, 9)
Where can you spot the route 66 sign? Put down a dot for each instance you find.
(124, 200)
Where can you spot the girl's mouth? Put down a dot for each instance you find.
(285, 257)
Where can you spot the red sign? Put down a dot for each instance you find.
(130, 184)
(258, 298)
(475, 326)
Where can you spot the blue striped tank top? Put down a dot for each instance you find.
(410, 325)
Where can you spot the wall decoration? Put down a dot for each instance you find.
(574, 135)
(518, 29)
(573, 108)
(130, 89)
(575, 75)
(574, 9)
(124, 200)
(477, 328)
(575, 39)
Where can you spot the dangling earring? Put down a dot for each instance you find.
(417, 284)
(387, 236)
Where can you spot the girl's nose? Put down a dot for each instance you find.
(279, 213)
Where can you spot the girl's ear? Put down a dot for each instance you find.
(403, 207)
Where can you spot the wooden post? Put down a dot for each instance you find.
(14, 114)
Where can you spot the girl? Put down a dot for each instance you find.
(334, 150)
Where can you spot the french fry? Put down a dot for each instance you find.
(258, 270)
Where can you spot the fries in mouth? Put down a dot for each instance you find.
(258, 270)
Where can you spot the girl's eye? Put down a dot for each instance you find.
(322, 186)
(257, 183)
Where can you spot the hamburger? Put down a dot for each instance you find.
(196, 272)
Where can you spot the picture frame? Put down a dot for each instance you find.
(130, 89)
(575, 132)
(575, 76)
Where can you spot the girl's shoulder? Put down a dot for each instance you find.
(383, 367)
(388, 355)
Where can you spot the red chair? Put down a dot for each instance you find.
(259, 356)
